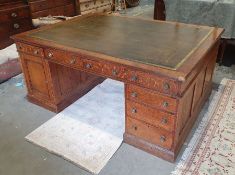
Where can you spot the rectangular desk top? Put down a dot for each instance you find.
(144, 41)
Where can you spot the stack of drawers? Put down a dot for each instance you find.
(42, 8)
(94, 6)
(14, 18)
(150, 115)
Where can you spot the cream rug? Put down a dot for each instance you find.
(211, 150)
(89, 131)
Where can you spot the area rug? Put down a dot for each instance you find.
(88, 132)
(211, 150)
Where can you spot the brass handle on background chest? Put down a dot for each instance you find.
(88, 66)
(134, 78)
(50, 54)
(16, 26)
(162, 139)
(73, 61)
(14, 15)
(164, 121)
(134, 94)
(165, 104)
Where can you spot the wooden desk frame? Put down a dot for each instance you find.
(161, 105)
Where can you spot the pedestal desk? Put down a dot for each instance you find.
(166, 67)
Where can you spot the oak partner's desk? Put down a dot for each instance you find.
(166, 67)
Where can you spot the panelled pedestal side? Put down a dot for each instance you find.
(159, 123)
(50, 85)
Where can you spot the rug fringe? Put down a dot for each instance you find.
(200, 129)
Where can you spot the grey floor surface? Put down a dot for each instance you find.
(19, 117)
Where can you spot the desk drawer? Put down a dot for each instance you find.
(154, 82)
(32, 50)
(151, 116)
(149, 133)
(151, 98)
(14, 14)
(63, 57)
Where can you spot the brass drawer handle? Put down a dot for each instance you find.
(73, 61)
(134, 78)
(50, 54)
(16, 26)
(134, 110)
(36, 52)
(164, 121)
(88, 66)
(165, 104)
(162, 139)
(166, 86)
(114, 72)
(134, 94)
(13, 15)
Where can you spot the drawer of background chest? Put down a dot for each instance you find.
(32, 50)
(63, 57)
(151, 98)
(151, 116)
(152, 81)
(14, 14)
(149, 133)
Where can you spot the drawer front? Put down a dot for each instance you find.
(111, 70)
(19, 26)
(153, 82)
(151, 116)
(149, 133)
(63, 57)
(32, 50)
(47, 4)
(151, 98)
(14, 14)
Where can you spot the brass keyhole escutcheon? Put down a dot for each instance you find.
(135, 127)
(73, 61)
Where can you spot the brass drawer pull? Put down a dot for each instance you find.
(135, 127)
(16, 26)
(134, 94)
(36, 52)
(88, 66)
(73, 61)
(165, 104)
(114, 72)
(164, 121)
(13, 15)
(50, 54)
(166, 86)
(134, 78)
(162, 139)
(134, 110)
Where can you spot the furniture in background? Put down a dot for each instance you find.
(14, 18)
(163, 96)
(217, 13)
